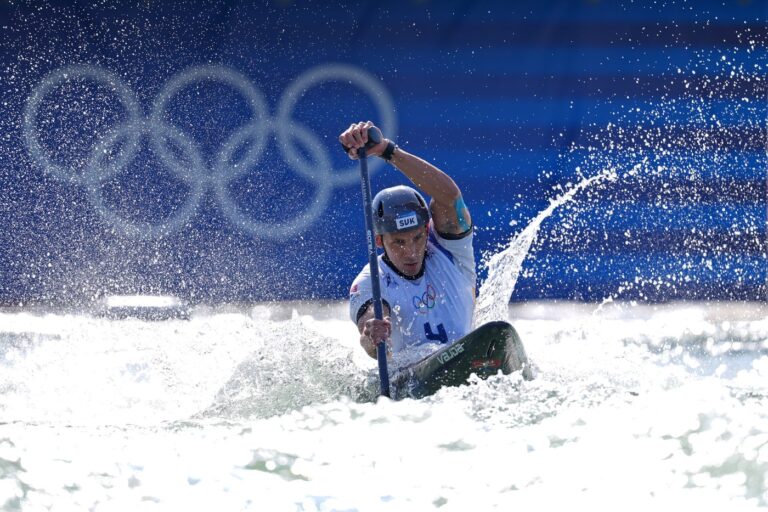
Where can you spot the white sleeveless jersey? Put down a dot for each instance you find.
(434, 308)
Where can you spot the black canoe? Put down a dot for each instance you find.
(490, 348)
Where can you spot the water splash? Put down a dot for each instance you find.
(292, 366)
(225, 364)
(504, 267)
(688, 221)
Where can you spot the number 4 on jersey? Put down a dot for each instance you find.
(440, 336)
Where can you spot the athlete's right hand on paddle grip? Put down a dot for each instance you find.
(362, 135)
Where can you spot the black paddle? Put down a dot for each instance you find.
(374, 137)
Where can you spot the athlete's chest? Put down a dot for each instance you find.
(415, 296)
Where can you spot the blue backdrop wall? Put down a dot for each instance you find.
(191, 147)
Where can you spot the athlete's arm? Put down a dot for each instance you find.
(372, 331)
(449, 213)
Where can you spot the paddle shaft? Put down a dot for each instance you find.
(373, 263)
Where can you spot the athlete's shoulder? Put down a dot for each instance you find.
(438, 244)
(365, 272)
(458, 254)
(360, 292)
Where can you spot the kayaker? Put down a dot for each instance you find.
(427, 268)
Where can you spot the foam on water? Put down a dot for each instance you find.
(632, 406)
(84, 370)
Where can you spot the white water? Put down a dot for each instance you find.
(633, 408)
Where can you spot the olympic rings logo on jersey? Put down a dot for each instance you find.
(189, 166)
(427, 300)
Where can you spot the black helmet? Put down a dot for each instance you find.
(398, 209)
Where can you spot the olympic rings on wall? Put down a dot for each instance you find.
(188, 164)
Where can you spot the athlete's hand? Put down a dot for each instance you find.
(356, 136)
(375, 332)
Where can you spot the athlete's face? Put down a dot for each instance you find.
(406, 250)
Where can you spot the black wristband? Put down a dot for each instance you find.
(389, 151)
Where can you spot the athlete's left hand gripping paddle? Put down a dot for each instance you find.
(374, 137)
